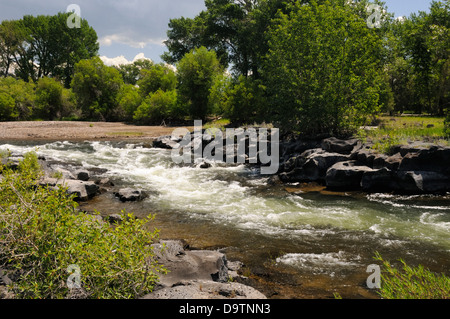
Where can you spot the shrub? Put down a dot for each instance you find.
(42, 234)
(412, 282)
(156, 107)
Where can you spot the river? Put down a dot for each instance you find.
(294, 243)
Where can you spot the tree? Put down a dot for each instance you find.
(129, 100)
(16, 99)
(45, 46)
(52, 100)
(157, 107)
(323, 69)
(196, 73)
(96, 87)
(245, 101)
(156, 77)
(131, 73)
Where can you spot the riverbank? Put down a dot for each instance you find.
(78, 131)
(306, 245)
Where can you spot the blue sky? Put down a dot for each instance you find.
(136, 28)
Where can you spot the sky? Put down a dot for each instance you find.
(133, 29)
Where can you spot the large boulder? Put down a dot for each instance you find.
(335, 145)
(379, 181)
(434, 159)
(346, 175)
(312, 165)
(422, 182)
(196, 274)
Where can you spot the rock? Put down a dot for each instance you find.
(166, 142)
(82, 190)
(62, 173)
(312, 165)
(378, 180)
(82, 175)
(11, 162)
(130, 195)
(200, 289)
(335, 145)
(434, 159)
(365, 156)
(422, 182)
(196, 274)
(192, 265)
(346, 175)
(205, 165)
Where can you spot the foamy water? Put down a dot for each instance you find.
(239, 198)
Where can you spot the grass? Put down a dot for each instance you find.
(403, 130)
(412, 282)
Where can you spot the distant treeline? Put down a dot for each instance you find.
(318, 67)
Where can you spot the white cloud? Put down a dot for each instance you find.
(119, 60)
(128, 39)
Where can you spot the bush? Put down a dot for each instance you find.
(16, 99)
(156, 108)
(42, 234)
(412, 282)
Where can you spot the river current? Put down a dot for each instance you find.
(295, 244)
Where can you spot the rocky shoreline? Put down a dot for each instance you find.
(336, 164)
(350, 165)
(192, 273)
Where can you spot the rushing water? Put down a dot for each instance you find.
(306, 244)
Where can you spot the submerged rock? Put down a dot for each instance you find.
(130, 195)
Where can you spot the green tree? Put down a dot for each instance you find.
(45, 46)
(131, 73)
(323, 69)
(16, 99)
(246, 102)
(96, 88)
(157, 107)
(156, 77)
(129, 100)
(196, 73)
(52, 100)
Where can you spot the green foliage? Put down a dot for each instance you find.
(44, 46)
(129, 100)
(246, 102)
(196, 73)
(323, 69)
(16, 99)
(42, 233)
(412, 282)
(393, 131)
(447, 124)
(52, 99)
(96, 87)
(131, 73)
(157, 77)
(157, 107)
